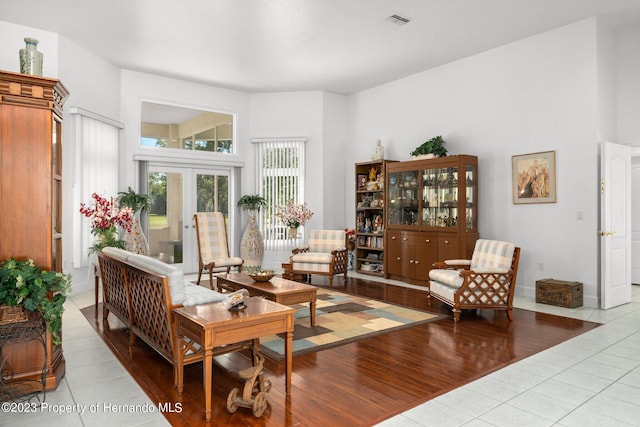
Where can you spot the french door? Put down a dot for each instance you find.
(176, 194)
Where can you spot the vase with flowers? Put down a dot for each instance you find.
(293, 216)
(106, 215)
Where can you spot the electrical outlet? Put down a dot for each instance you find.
(580, 215)
(540, 266)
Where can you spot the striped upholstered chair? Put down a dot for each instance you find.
(488, 280)
(326, 254)
(213, 246)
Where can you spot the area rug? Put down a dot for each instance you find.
(341, 319)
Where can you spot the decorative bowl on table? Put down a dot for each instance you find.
(261, 275)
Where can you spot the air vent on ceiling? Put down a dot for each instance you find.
(398, 19)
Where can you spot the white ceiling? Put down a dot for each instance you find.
(341, 46)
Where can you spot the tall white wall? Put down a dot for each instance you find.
(627, 57)
(295, 114)
(337, 171)
(537, 94)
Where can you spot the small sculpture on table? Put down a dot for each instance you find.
(235, 300)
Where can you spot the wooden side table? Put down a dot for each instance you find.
(213, 325)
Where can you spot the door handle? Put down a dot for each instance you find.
(606, 233)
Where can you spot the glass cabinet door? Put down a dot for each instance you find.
(440, 197)
(471, 196)
(403, 198)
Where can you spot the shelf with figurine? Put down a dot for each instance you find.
(370, 213)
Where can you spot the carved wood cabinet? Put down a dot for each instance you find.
(432, 214)
(31, 196)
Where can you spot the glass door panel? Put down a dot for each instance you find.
(176, 194)
(165, 216)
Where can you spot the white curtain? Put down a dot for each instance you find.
(96, 171)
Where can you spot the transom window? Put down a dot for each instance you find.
(166, 126)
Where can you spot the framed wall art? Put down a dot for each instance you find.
(534, 177)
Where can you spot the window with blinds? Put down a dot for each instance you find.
(281, 171)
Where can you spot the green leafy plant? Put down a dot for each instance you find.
(433, 146)
(133, 200)
(22, 283)
(252, 202)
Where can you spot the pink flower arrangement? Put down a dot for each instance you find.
(293, 215)
(105, 215)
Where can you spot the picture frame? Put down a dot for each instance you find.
(533, 178)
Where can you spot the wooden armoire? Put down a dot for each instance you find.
(31, 197)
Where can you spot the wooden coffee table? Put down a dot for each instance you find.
(277, 289)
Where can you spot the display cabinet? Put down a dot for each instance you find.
(370, 214)
(31, 197)
(431, 214)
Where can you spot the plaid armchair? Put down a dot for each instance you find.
(487, 280)
(325, 254)
(213, 246)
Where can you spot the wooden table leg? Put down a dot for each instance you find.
(96, 286)
(312, 312)
(207, 370)
(288, 351)
(178, 366)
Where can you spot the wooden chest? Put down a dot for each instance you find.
(559, 292)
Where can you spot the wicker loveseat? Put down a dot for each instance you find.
(488, 280)
(142, 292)
(325, 254)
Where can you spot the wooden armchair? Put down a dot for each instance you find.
(325, 254)
(213, 246)
(488, 280)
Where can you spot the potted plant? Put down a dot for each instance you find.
(434, 146)
(252, 202)
(134, 238)
(23, 284)
(251, 244)
(135, 201)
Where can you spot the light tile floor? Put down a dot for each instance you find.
(590, 380)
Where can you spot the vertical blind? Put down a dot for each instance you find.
(96, 171)
(281, 171)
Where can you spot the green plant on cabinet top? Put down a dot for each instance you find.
(433, 146)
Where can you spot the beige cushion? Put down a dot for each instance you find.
(492, 254)
(326, 240)
(116, 253)
(450, 278)
(200, 295)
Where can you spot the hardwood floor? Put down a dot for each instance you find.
(361, 383)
